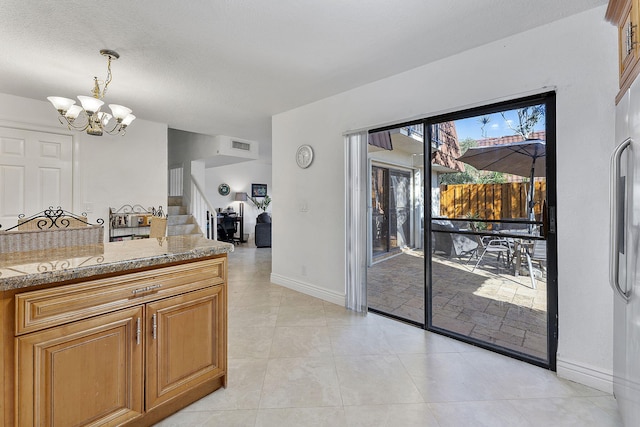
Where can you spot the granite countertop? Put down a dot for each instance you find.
(21, 270)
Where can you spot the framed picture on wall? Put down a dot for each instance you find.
(258, 190)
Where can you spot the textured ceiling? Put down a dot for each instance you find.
(225, 67)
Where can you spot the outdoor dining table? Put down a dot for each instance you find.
(520, 246)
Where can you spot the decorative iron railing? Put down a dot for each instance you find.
(53, 218)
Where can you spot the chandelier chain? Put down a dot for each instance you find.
(109, 77)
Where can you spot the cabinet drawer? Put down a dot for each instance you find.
(46, 308)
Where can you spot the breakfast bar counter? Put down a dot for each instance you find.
(21, 270)
(122, 333)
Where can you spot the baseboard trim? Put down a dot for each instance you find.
(308, 289)
(584, 374)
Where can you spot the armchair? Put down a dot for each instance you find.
(450, 243)
(263, 231)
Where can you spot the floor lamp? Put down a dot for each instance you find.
(241, 197)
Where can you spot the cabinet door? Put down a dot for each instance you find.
(186, 343)
(628, 40)
(89, 372)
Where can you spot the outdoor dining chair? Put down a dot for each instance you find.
(491, 244)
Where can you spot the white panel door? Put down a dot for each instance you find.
(35, 173)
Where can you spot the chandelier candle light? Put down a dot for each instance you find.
(93, 120)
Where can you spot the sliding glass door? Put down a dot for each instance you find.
(391, 215)
(380, 213)
(461, 227)
(492, 271)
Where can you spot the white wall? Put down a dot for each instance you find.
(185, 147)
(239, 177)
(578, 57)
(109, 171)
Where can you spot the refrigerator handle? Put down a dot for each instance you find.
(616, 203)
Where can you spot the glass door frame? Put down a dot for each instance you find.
(549, 100)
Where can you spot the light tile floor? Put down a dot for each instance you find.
(295, 360)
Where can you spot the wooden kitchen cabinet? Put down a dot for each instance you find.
(185, 345)
(625, 15)
(86, 373)
(127, 349)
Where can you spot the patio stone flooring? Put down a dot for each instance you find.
(490, 304)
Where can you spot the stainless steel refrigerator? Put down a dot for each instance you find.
(625, 256)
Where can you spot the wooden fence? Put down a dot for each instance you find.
(490, 201)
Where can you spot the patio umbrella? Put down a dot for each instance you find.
(523, 158)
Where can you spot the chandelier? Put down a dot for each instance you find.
(89, 117)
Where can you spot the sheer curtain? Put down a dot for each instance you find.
(356, 221)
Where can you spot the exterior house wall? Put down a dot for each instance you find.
(393, 158)
(576, 57)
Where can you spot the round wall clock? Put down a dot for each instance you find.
(224, 189)
(304, 156)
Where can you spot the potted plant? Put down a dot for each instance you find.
(261, 204)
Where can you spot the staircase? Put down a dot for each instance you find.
(179, 222)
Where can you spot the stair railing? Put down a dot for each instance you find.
(202, 211)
